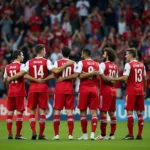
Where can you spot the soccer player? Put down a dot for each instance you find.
(135, 76)
(107, 94)
(86, 70)
(16, 95)
(88, 92)
(64, 96)
(38, 93)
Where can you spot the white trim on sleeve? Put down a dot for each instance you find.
(26, 67)
(79, 67)
(144, 71)
(75, 65)
(5, 74)
(127, 69)
(56, 64)
(102, 67)
(50, 66)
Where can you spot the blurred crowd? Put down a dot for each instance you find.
(78, 24)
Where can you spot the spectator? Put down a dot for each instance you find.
(83, 7)
(12, 44)
(6, 24)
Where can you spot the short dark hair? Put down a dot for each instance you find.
(66, 51)
(87, 52)
(39, 48)
(110, 53)
(132, 51)
(16, 54)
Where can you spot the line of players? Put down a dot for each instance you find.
(90, 96)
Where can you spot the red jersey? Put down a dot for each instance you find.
(136, 72)
(38, 68)
(108, 69)
(35, 26)
(87, 84)
(95, 25)
(16, 87)
(64, 87)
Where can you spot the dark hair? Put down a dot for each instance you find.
(39, 48)
(110, 53)
(87, 52)
(132, 51)
(16, 54)
(66, 51)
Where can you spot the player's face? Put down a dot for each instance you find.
(104, 55)
(82, 55)
(127, 56)
(21, 57)
(43, 52)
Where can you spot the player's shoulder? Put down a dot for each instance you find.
(62, 60)
(115, 65)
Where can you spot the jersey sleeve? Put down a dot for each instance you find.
(75, 65)
(25, 67)
(22, 66)
(117, 74)
(56, 64)
(144, 71)
(127, 69)
(79, 67)
(50, 66)
(5, 74)
(101, 68)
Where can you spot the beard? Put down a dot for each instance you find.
(104, 59)
(82, 58)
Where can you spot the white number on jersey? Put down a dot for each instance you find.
(90, 69)
(12, 73)
(138, 75)
(67, 72)
(112, 73)
(38, 72)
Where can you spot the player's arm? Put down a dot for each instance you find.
(30, 78)
(87, 74)
(51, 76)
(16, 76)
(126, 74)
(5, 80)
(122, 78)
(101, 73)
(71, 77)
(24, 69)
(59, 69)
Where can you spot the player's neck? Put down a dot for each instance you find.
(107, 60)
(39, 56)
(132, 59)
(87, 58)
(16, 61)
(65, 58)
